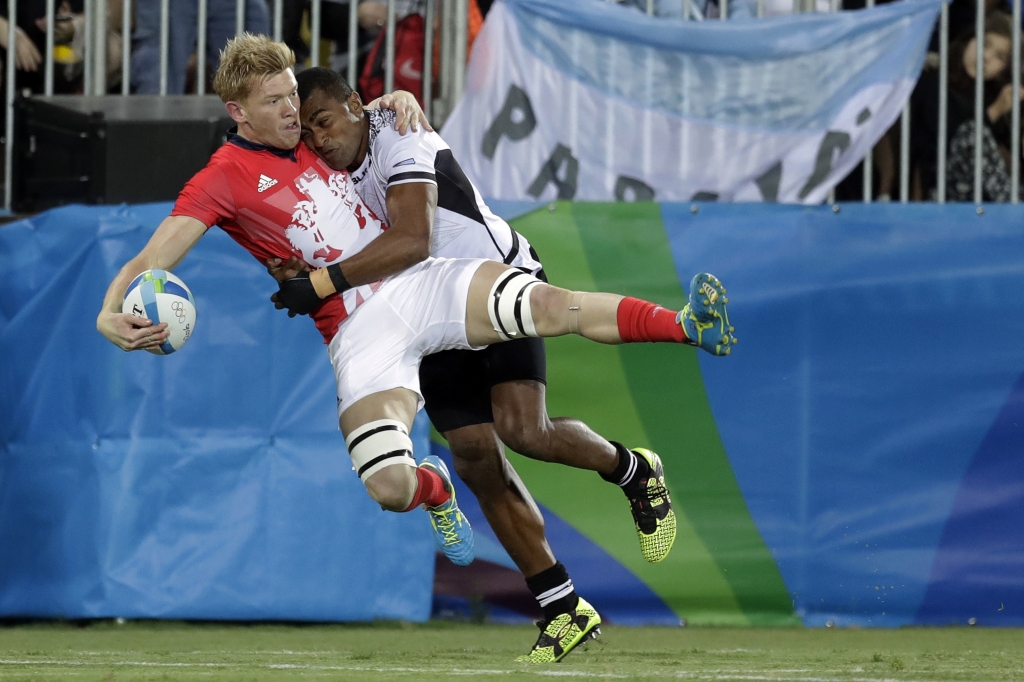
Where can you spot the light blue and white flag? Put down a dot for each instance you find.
(588, 100)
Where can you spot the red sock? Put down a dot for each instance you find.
(643, 321)
(429, 489)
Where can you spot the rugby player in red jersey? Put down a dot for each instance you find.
(278, 199)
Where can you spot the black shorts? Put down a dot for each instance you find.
(456, 384)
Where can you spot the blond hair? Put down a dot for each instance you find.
(246, 62)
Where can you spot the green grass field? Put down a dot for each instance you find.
(441, 651)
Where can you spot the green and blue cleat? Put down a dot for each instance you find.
(452, 532)
(563, 633)
(704, 318)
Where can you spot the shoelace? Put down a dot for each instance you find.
(648, 513)
(445, 522)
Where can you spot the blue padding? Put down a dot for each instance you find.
(877, 347)
(977, 572)
(210, 484)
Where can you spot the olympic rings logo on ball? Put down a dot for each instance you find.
(179, 309)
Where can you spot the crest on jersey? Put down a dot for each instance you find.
(265, 183)
(329, 222)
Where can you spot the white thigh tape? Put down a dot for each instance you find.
(509, 304)
(379, 444)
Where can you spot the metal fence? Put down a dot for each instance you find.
(451, 43)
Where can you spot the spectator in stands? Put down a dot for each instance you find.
(960, 115)
(372, 15)
(69, 44)
(183, 26)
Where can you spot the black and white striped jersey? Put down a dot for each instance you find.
(463, 226)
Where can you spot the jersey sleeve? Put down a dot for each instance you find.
(206, 197)
(406, 158)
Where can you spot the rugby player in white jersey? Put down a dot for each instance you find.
(378, 329)
(478, 400)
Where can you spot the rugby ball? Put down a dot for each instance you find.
(162, 297)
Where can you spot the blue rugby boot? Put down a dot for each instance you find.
(704, 318)
(452, 533)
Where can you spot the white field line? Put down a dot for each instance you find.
(680, 674)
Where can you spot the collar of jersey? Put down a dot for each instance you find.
(239, 141)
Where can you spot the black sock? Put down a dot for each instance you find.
(630, 467)
(554, 591)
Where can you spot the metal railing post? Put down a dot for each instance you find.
(979, 94)
(940, 169)
(869, 158)
(12, 37)
(99, 46)
(353, 39)
(48, 75)
(201, 24)
(446, 55)
(389, 49)
(165, 42)
(87, 58)
(725, 10)
(687, 9)
(314, 32)
(239, 17)
(459, 53)
(428, 57)
(905, 154)
(278, 24)
(1015, 111)
(650, 7)
(126, 47)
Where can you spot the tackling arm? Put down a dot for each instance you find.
(166, 248)
(411, 208)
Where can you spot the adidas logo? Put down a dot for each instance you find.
(265, 183)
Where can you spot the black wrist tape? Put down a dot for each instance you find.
(338, 278)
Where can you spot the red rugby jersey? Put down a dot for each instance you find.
(277, 204)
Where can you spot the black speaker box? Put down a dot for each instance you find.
(111, 149)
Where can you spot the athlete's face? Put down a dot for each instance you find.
(272, 111)
(333, 129)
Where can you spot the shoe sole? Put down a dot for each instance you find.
(708, 304)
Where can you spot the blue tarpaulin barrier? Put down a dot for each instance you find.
(208, 484)
(872, 417)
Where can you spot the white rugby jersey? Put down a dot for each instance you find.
(463, 226)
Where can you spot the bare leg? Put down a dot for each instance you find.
(521, 420)
(597, 319)
(480, 462)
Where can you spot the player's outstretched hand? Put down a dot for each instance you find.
(129, 332)
(407, 111)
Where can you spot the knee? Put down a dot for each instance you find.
(393, 487)
(527, 436)
(479, 463)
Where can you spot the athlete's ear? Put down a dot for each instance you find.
(355, 104)
(235, 112)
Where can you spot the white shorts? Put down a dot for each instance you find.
(414, 313)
